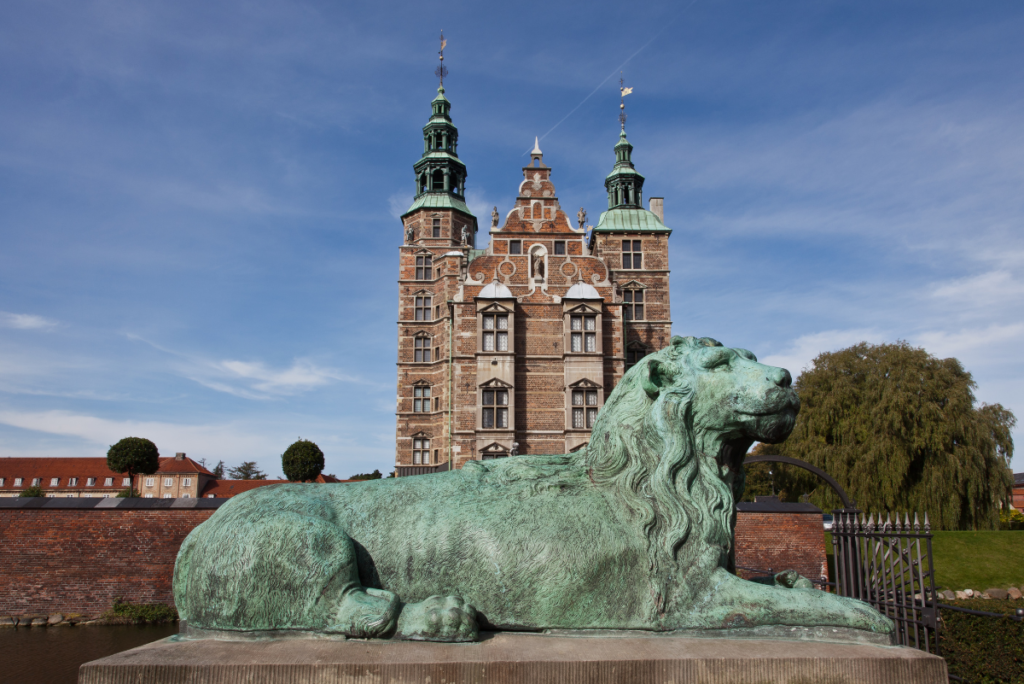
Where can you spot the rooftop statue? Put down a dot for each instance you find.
(632, 532)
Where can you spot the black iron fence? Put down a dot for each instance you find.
(889, 566)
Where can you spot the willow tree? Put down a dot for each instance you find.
(900, 430)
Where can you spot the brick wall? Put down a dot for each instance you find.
(781, 536)
(78, 555)
(70, 557)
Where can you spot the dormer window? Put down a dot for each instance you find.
(90, 482)
(583, 333)
(54, 481)
(108, 482)
(72, 482)
(424, 266)
(495, 332)
(36, 481)
(17, 481)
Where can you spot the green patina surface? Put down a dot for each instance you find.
(630, 221)
(633, 532)
(438, 201)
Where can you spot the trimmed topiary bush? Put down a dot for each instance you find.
(983, 649)
(302, 461)
(134, 456)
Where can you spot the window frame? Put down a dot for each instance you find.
(515, 247)
(559, 248)
(435, 227)
(423, 348)
(633, 256)
(424, 265)
(495, 312)
(494, 416)
(635, 351)
(583, 402)
(186, 482)
(422, 304)
(421, 397)
(54, 481)
(630, 304)
(108, 482)
(420, 446)
(90, 482)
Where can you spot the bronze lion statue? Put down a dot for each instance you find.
(634, 532)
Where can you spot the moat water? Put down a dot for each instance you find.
(52, 655)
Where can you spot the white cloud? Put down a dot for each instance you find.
(982, 291)
(975, 347)
(399, 203)
(798, 356)
(25, 321)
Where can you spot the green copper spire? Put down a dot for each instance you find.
(624, 184)
(439, 170)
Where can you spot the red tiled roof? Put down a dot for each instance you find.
(185, 465)
(46, 468)
(29, 468)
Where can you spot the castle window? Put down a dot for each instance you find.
(424, 270)
(559, 247)
(421, 352)
(515, 246)
(421, 451)
(54, 481)
(495, 332)
(422, 309)
(634, 354)
(632, 256)
(495, 408)
(583, 334)
(421, 399)
(584, 408)
(437, 231)
(633, 305)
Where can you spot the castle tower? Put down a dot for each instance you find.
(440, 232)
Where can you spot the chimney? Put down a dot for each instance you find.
(658, 208)
(180, 456)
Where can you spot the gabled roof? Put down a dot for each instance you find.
(185, 465)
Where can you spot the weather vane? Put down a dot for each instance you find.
(441, 71)
(623, 92)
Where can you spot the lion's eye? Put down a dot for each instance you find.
(716, 358)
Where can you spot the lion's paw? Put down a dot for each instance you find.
(438, 618)
(791, 579)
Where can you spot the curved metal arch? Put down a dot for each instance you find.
(761, 458)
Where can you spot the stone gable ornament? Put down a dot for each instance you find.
(632, 532)
(494, 218)
(581, 217)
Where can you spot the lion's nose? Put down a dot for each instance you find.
(781, 377)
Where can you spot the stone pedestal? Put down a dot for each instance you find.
(506, 658)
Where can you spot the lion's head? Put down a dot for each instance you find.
(671, 438)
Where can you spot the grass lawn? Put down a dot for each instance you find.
(973, 560)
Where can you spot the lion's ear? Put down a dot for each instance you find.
(658, 376)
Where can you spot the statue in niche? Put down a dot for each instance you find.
(410, 235)
(581, 217)
(632, 532)
(538, 265)
(465, 235)
(494, 218)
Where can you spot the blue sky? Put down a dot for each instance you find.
(199, 200)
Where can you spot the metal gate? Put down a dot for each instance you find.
(889, 565)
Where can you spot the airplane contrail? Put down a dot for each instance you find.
(616, 70)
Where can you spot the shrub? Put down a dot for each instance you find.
(127, 493)
(31, 491)
(139, 614)
(1011, 519)
(983, 649)
(302, 461)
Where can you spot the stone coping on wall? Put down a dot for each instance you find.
(35, 502)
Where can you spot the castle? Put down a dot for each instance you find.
(513, 349)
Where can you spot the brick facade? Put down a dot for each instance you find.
(77, 556)
(540, 274)
(78, 560)
(780, 537)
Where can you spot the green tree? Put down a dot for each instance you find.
(375, 475)
(218, 470)
(302, 461)
(31, 491)
(899, 429)
(134, 456)
(247, 471)
(127, 493)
